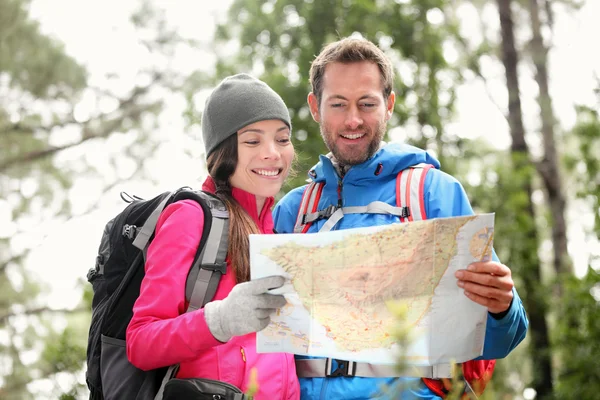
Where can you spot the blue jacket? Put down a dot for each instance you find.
(444, 197)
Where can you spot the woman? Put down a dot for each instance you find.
(246, 129)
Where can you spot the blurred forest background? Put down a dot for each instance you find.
(73, 134)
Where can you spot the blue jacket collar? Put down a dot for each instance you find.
(390, 159)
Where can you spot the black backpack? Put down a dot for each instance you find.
(116, 280)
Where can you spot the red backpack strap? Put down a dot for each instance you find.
(410, 184)
(308, 204)
(440, 387)
(477, 373)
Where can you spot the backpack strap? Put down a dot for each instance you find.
(328, 367)
(308, 206)
(208, 267)
(410, 184)
(410, 203)
(201, 289)
(475, 375)
(145, 233)
(206, 271)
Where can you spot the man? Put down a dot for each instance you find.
(352, 100)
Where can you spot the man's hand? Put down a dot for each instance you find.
(488, 283)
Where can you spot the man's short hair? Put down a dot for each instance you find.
(350, 50)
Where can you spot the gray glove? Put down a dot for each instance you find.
(246, 309)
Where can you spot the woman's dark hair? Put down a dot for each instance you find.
(221, 165)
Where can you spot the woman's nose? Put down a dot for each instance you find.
(270, 150)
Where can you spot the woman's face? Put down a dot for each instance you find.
(265, 154)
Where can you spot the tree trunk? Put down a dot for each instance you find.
(524, 250)
(549, 167)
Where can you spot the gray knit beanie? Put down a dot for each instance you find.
(238, 101)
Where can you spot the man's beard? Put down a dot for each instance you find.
(353, 158)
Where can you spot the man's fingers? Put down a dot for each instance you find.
(488, 274)
(487, 283)
(489, 292)
(493, 305)
(489, 267)
(494, 281)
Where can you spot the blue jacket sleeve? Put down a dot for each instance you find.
(445, 197)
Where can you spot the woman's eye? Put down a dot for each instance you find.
(284, 140)
(251, 142)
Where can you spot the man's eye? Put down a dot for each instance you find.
(368, 105)
(336, 105)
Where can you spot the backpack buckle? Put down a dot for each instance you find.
(327, 212)
(321, 214)
(343, 368)
(219, 267)
(405, 212)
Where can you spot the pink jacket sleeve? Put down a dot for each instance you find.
(161, 333)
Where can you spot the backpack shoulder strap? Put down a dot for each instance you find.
(308, 206)
(410, 184)
(474, 374)
(209, 263)
(410, 203)
(142, 237)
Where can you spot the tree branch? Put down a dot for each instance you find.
(20, 127)
(40, 310)
(111, 186)
(131, 110)
(106, 130)
(18, 385)
(15, 258)
(488, 92)
(549, 14)
(18, 257)
(474, 67)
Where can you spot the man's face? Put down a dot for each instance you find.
(353, 112)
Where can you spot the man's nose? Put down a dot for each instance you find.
(353, 118)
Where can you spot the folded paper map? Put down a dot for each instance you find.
(340, 286)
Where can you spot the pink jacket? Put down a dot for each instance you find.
(162, 334)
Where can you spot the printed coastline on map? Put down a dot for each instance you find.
(340, 283)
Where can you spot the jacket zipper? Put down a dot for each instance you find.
(244, 377)
(339, 192)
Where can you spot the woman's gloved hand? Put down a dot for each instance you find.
(246, 309)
